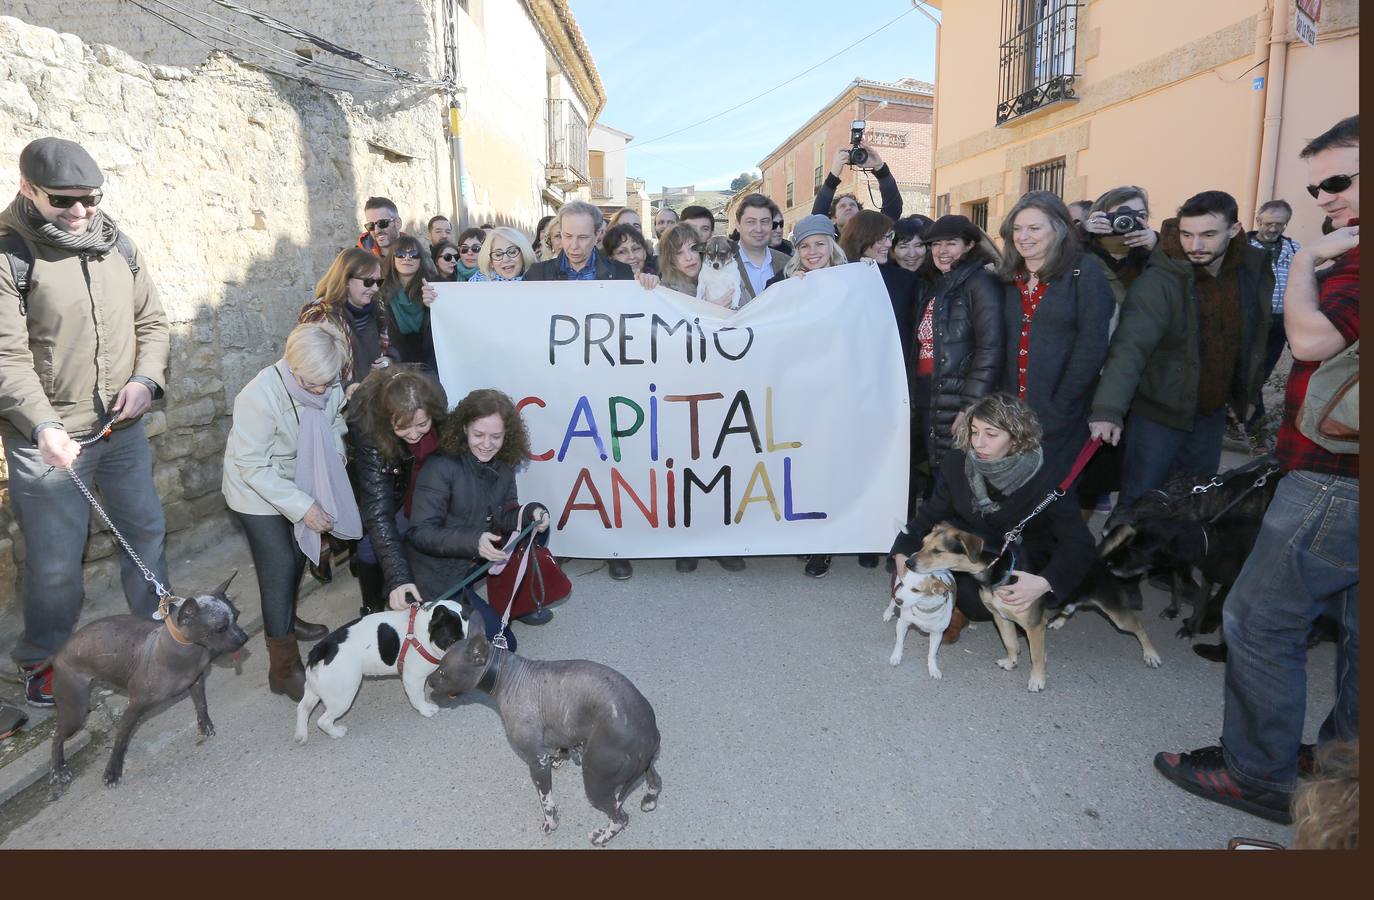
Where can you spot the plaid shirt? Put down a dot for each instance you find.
(1280, 262)
(1339, 301)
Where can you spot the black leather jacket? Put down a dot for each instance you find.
(381, 491)
(969, 343)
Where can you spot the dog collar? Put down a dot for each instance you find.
(1006, 576)
(174, 631)
(411, 641)
(488, 679)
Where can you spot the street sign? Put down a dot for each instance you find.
(1306, 15)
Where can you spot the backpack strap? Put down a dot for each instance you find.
(21, 264)
(126, 250)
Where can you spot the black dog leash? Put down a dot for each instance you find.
(1084, 455)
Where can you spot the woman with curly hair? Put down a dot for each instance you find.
(394, 426)
(991, 480)
(465, 502)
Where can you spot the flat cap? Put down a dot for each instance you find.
(56, 163)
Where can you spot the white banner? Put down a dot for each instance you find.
(664, 426)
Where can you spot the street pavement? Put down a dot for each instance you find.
(783, 726)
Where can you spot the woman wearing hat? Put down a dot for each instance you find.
(953, 336)
(813, 247)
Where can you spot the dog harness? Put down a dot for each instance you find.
(412, 641)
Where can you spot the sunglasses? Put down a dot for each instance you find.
(470, 248)
(449, 257)
(1333, 185)
(508, 253)
(367, 282)
(777, 224)
(380, 223)
(90, 200)
(408, 254)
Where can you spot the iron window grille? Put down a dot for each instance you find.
(942, 205)
(1047, 176)
(978, 213)
(1037, 55)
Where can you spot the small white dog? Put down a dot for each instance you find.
(926, 601)
(409, 642)
(720, 281)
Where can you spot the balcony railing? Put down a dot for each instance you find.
(1037, 55)
(566, 133)
(601, 189)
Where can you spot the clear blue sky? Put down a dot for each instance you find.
(668, 63)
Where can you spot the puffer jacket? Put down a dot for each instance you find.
(91, 324)
(1155, 355)
(456, 499)
(969, 343)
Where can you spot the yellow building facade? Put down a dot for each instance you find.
(1177, 96)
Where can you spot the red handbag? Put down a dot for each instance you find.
(531, 576)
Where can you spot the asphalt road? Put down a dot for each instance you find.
(782, 726)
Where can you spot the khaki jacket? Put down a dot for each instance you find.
(91, 326)
(260, 454)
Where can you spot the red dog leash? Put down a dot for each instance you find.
(411, 641)
(1084, 455)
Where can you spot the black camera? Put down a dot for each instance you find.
(1123, 220)
(857, 155)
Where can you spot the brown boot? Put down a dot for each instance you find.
(285, 672)
(956, 625)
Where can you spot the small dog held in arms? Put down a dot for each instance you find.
(405, 642)
(720, 281)
(948, 547)
(922, 600)
(559, 709)
(153, 661)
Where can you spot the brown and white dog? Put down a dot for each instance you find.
(947, 547)
(719, 281)
(924, 600)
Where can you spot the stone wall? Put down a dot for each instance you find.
(239, 188)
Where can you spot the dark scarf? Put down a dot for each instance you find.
(1007, 475)
(420, 451)
(98, 237)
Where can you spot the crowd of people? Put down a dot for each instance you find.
(1086, 322)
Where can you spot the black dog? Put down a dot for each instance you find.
(153, 661)
(1210, 524)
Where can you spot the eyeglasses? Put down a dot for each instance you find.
(449, 257)
(1333, 185)
(470, 248)
(367, 282)
(508, 253)
(383, 224)
(778, 223)
(407, 254)
(93, 200)
(313, 388)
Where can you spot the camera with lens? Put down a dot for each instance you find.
(1123, 220)
(857, 155)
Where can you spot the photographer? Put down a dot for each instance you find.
(1124, 248)
(841, 208)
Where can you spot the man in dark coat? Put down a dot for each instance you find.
(579, 224)
(1191, 340)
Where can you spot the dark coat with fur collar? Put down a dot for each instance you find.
(1056, 544)
(1155, 356)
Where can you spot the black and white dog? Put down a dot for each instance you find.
(407, 642)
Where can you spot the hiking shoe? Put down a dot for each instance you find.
(1203, 772)
(868, 560)
(38, 686)
(619, 569)
(685, 565)
(731, 563)
(817, 566)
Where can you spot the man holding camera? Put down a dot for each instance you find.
(861, 155)
(1191, 340)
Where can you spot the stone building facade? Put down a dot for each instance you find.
(240, 186)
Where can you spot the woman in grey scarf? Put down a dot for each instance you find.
(284, 481)
(990, 481)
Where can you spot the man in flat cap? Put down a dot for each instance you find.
(83, 343)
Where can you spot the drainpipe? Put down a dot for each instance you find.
(1253, 150)
(455, 125)
(1273, 104)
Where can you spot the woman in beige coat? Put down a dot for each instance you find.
(285, 483)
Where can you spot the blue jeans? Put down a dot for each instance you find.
(1154, 453)
(1305, 560)
(54, 518)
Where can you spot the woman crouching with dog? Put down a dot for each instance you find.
(395, 421)
(465, 502)
(992, 479)
(285, 483)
